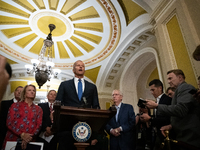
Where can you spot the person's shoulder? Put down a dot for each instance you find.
(42, 104)
(126, 105)
(6, 101)
(37, 106)
(67, 81)
(166, 96)
(89, 83)
(185, 86)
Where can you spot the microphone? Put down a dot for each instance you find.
(85, 101)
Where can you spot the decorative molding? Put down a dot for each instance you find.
(168, 41)
(114, 71)
(37, 16)
(160, 8)
(117, 65)
(38, 5)
(73, 7)
(111, 77)
(25, 6)
(108, 84)
(13, 53)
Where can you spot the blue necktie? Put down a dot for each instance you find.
(80, 90)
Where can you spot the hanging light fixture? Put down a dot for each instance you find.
(41, 67)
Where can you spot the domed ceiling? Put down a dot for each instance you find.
(104, 34)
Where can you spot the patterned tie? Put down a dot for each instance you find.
(51, 107)
(80, 90)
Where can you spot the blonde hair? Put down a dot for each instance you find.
(24, 91)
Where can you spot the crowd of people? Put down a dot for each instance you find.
(177, 111)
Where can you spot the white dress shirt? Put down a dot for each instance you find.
(14, 100)
(76, 83)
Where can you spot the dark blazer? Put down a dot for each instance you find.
(126, 119)
(160, 120)
(184, 113)
(46, 121)
(68, 96)
(5, 105)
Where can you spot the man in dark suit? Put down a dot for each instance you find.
(68, 90)
(120, 127)
(157, 120)
(5, 105)
(76, 92)
(184, 110)
(46, 123)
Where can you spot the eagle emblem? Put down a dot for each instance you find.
(81, 132)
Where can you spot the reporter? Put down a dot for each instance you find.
(144, 134)
(184, 110)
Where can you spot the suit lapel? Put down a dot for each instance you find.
(86, 87)
(73, 88)
(47, 107)
(161, 99)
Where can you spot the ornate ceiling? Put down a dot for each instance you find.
(105, 34)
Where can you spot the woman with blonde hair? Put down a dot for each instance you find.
(24, 118)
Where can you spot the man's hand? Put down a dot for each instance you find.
(94, 142)
(164, 128)
(51, 116)
(145, 117)
(151, 104)
(115, 132)
(23, 145)
(48, 132)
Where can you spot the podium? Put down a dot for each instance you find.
(65, 117)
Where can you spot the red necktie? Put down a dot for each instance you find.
(51, 108)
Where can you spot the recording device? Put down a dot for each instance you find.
(8, 69)
(141, 103)
(193, 91)
(84, 103)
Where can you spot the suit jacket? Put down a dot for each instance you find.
(160, 120)
(184, 113)
(5, 105)
(68, 96)
(126, 119)
(46, 121)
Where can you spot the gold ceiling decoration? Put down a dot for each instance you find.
(78, 35)
(16, 31)
(131, 10)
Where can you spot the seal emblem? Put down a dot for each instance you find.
(81, 132)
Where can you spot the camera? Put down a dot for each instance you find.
(141, 103)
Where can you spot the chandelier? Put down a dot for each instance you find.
(41, 67)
